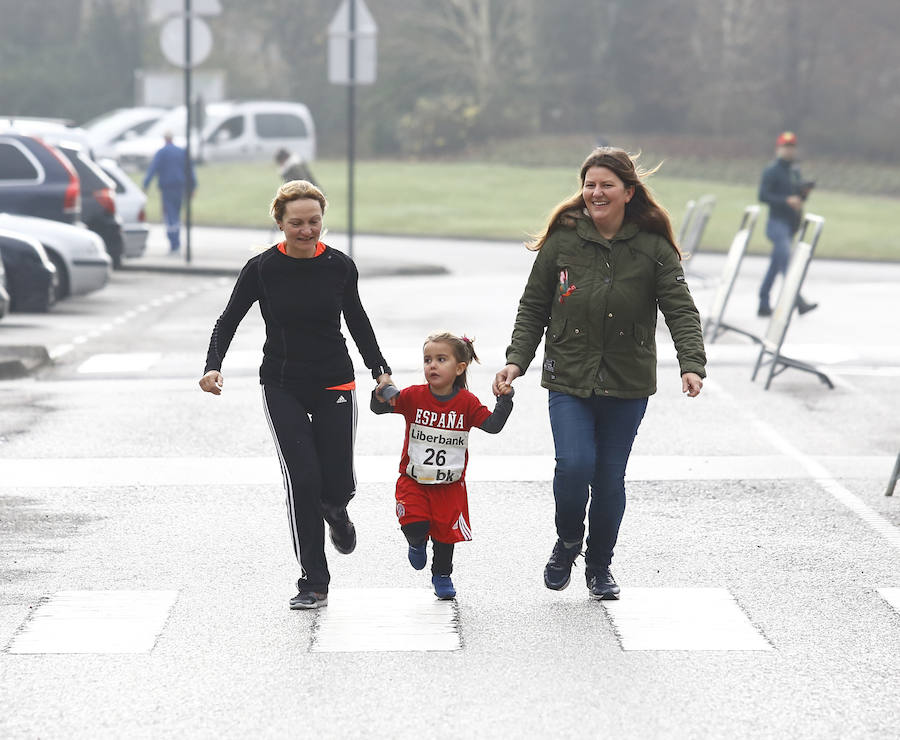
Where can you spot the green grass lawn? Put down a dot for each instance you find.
(495, 201)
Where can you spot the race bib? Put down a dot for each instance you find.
(436, 455)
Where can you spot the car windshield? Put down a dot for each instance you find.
(174, 121)
(123, 119)
(89, 172)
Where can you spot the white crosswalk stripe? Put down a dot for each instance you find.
(95, 622)
(264, 470)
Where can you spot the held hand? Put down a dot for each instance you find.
(795, 202)
(503, 380)
(212, 382)
(691, 383)
(383, 382)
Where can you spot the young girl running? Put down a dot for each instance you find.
(431, 489)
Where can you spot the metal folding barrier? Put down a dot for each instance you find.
(892, 483)
(695, 223)
(802, 254)
(714, 325)
(686, 222)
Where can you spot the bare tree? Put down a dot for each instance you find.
(475, 45)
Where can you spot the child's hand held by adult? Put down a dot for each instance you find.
(505, 377)
(387, 393)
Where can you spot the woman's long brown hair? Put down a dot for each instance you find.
(642, 209)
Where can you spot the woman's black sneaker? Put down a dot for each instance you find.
(558, 570)
(342, 532)
(309, 600)
(602, 585)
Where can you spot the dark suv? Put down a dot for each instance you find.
(98, 203)
(37, 180)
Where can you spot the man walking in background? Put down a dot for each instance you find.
(785, 192)
(168, 166)
(291, 167)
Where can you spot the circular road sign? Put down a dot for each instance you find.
(171, 41)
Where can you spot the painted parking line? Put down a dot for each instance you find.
(892, 597)
(682, 619)
(84, 472)
(385, 620)
(818, 471)
(95, 622)
(130, 362)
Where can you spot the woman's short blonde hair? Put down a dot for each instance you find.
(295, 190)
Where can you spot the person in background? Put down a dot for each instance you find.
(606, 262)
(785, 191)
(303, 288)
(168, 166)
(291, 167)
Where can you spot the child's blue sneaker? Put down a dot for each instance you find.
(443, 587)
(417, 556)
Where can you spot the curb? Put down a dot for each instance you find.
(182, 270)
(17, 361)
(373, 270)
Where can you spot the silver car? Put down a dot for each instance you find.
(122, 124)
(130, 204)
(78, 254)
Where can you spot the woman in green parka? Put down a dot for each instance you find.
(605, 262)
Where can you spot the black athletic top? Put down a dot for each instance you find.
(301, 301)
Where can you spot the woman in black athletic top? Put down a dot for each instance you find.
(307, 377)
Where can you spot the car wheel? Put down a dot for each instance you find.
(61, 282)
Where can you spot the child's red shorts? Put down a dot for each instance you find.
(444, 505)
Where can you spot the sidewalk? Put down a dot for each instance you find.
(221, 252)
(214, 253)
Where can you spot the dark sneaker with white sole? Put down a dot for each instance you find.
(602, 585)
(309, 600)
(341, 531)
(558, 570)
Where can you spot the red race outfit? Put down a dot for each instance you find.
(432, 484)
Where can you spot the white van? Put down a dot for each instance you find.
(239, 130)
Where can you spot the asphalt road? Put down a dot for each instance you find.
(118, 475)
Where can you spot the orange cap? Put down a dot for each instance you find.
(787, 138)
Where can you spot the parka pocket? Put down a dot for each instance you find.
(556, 331)
(643, 336)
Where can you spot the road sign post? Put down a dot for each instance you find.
(351, 61)
(187, 125)
(186, 42)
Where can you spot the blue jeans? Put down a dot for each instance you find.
(171, 202)
(782, 236)
(593, 438)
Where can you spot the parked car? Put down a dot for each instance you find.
(244, 130)
(31, 277)
(130, 205)
(79, 255)
(4, 296)
(47, 129)
(122, 124)
(36, 179)
(98, 200)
